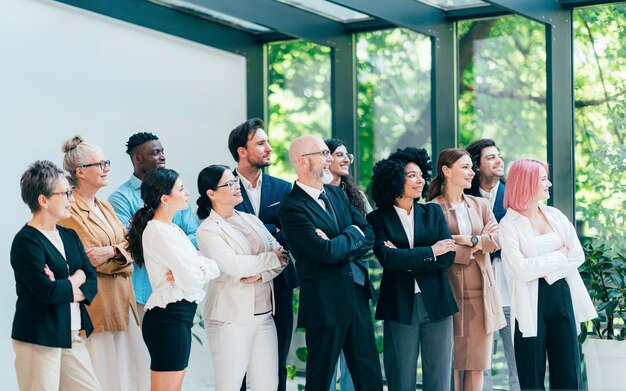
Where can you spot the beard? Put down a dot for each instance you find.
(259, 163)
(324, 176)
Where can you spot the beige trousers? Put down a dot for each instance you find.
(44, 368)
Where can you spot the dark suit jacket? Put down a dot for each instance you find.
(327, 289)
(273, 191)
(42, 310)
(498, 208)
(402, 266)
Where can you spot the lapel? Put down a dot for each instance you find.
(316, 209)
(266, 190)
(247, 205)
(498, 206)
(231, 234)
(451, 216)
(395, 228)
(85, 210)
(419, 232)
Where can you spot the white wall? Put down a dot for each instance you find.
(65, 71)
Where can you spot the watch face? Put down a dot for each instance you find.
(474, 240)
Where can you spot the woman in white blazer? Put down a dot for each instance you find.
(240, 303)
(541, 255)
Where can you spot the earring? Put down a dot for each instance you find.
(167, 207)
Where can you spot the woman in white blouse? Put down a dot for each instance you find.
(541, 255)
(177, 274)
(239, 306)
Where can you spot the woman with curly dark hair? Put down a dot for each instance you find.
(415, 248)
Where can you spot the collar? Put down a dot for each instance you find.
(403, 213)
(135, 182)
(311, 191)
(248, 185)
(491, 194)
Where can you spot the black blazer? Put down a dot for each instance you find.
(273, 191)
(403, 265)
(42, 310)
(326, 283)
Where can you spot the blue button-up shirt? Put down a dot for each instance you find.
(126, 200)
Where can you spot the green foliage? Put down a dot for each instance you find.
(197, 321)
(302, 353)
(292, 370)
(605, 279)
(298, 96)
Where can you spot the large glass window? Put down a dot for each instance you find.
(600, 123)
(502, 91)
(393, 94)
(298, 96)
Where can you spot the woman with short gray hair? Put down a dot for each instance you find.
(120, 358)
(54, 280)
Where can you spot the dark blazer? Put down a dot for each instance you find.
(327, 289)
(273, 191)
(402, 266)
(42, 310)
(498, 208)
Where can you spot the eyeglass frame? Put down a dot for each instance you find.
(231, 184)
(340, 155)
(103, 164)
(68, 193)
(324, 153)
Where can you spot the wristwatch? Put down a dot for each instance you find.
(474, 240)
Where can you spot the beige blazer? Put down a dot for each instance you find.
(109, 310)
(480, 214)
(228, 299)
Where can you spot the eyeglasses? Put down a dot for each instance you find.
(342, 155)
(232, 184)
(325, 153)
(103, 164)
(68, 193)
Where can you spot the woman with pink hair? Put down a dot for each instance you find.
(541, 255)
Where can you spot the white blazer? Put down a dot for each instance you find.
(228, 299)
(524, 267)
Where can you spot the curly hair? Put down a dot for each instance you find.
(387, 182)
(355, 197)
(138, 139)
(418, 156)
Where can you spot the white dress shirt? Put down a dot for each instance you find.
(253, 191)
(167, 248)
(408, 223)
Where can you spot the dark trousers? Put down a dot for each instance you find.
(356, 338)
(556, 335)
(283, 319)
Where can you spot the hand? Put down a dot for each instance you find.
(388, 244)
(49, 273)
(78, 296)
(257, 279)
(282, 254)
(443, 246)
(77, 279)
(99, 255)
(169, 277)
(462, 240)
(321, 234)
(491, 227)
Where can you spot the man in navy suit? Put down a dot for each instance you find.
(488, 182)
(262, 195)
(327, 237)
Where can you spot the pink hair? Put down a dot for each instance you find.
(522, 184)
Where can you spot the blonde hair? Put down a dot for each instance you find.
(77, 152)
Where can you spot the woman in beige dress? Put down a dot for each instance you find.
(475, 232)
(118, 354)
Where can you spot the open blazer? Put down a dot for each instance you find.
(109, 310)
(403, 265)
(479, 212)
(524, 267)
(228, 299)
(42, 310)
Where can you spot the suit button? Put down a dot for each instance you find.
(358, 244)
(349, 274)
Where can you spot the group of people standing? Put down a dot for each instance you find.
(108, 291)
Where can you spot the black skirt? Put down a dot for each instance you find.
(167, 334)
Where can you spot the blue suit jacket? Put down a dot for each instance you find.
(273, 191)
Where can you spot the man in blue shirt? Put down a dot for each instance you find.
(146, 153)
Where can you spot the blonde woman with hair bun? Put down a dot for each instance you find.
(119, 356)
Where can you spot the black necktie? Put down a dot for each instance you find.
(329, 207)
